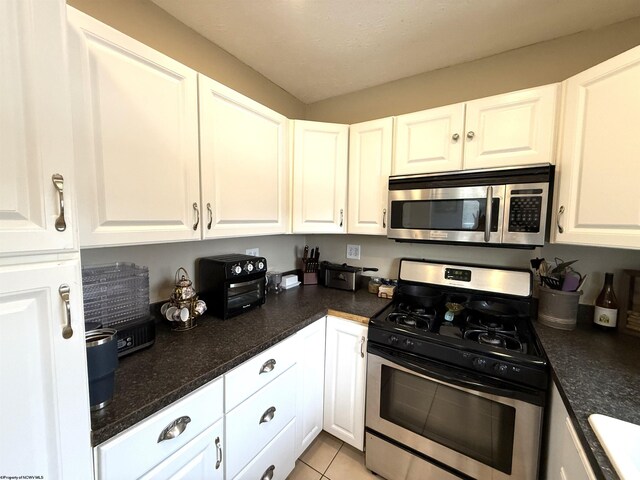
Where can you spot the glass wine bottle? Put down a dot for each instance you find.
(605, 315)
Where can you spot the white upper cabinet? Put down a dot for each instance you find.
(516, 128)
(320, 154)
(244, 164)
(598, 200)
(136, 125)
(370, 152)
(511, 129)
(429, 141)
(44, 398)
(36, 135)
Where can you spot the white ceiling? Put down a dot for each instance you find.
(316, 49)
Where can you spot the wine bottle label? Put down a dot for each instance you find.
(607, 317)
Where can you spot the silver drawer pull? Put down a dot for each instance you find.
(560, 212)
(384, 218)
(58, 182)
(218, 453)
(210, 212)
(268, 473)
(174, 429)
(197, 212)
(362, 340)
(268, 415)
(64, 290)
(267, 366)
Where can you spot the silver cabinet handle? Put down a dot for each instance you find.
(268, 473)
(267, 366)
(560, 212)
(384, 218)
(195, 208)
(470, 135)
(64, 290)
(174, 429)
(268, 415)
(455, 137)
(58, 182)
(487, 222)
(341, 216)
(362, 339)
(218, 453)
(210, 216)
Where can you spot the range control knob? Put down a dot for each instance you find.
(236, 269)
(392, 339)
(479, 362)
(409, 344)
(500, 368)
(249, 267)
(260, 265)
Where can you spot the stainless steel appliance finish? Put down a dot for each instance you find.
(505, 207)
(456, 379)
(343, 277)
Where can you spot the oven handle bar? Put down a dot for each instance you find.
(460, 379)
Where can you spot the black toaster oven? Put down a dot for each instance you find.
(232, 284)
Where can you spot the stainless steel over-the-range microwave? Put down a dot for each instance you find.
(508, 207)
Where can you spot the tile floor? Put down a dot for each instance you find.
(328, 458)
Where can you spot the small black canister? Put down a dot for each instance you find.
(102, 361)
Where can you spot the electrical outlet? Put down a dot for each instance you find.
(353, 251)
(254, 252)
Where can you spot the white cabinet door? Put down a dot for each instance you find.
(136, 126)
(200, 459)
(370, 152)
(598, 169)
(44, 398)
(565, 457)
(320, 154)
(345, 377)
(516, 128)
(244, 164)
(36, 135)
(429, 141)
(310, 384)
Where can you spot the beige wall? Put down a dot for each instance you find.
(148, 23)
(538, 64)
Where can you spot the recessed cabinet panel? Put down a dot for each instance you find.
(429, 141)
(516, 128)
(370, 152)
(136, 119)
(320, 177)
(598, 201)
(36, 135)
(44, 397)
(244, 164)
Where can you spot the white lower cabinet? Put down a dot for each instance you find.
(566, 459)
(156, 444)
(345, 377)
(310, 384)
(200, 459)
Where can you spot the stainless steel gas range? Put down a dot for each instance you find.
(456, 380)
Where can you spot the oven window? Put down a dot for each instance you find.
(240, 294)
(473, 426)
(467, 214)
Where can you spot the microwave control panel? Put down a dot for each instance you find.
(525, 210)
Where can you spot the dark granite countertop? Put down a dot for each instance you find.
(180, 362)
(596, 372)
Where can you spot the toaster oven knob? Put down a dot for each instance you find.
(236, 269)
(260, 265)
(249, 267)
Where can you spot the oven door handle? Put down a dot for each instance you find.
(461, 379)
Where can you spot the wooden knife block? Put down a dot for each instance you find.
(310, 278)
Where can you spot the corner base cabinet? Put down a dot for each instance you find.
(345, 377)
(597, 202)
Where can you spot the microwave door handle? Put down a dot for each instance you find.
(487, 221)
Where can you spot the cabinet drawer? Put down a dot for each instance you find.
(136, 450)
(246, 379)
(277, 457)
(255, 422)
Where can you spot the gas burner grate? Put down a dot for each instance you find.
(415, 316)
(496, 338)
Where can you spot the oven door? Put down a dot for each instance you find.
(457, 214)
(241, 296)
(471, 426)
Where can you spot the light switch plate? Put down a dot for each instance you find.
(254, 252)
